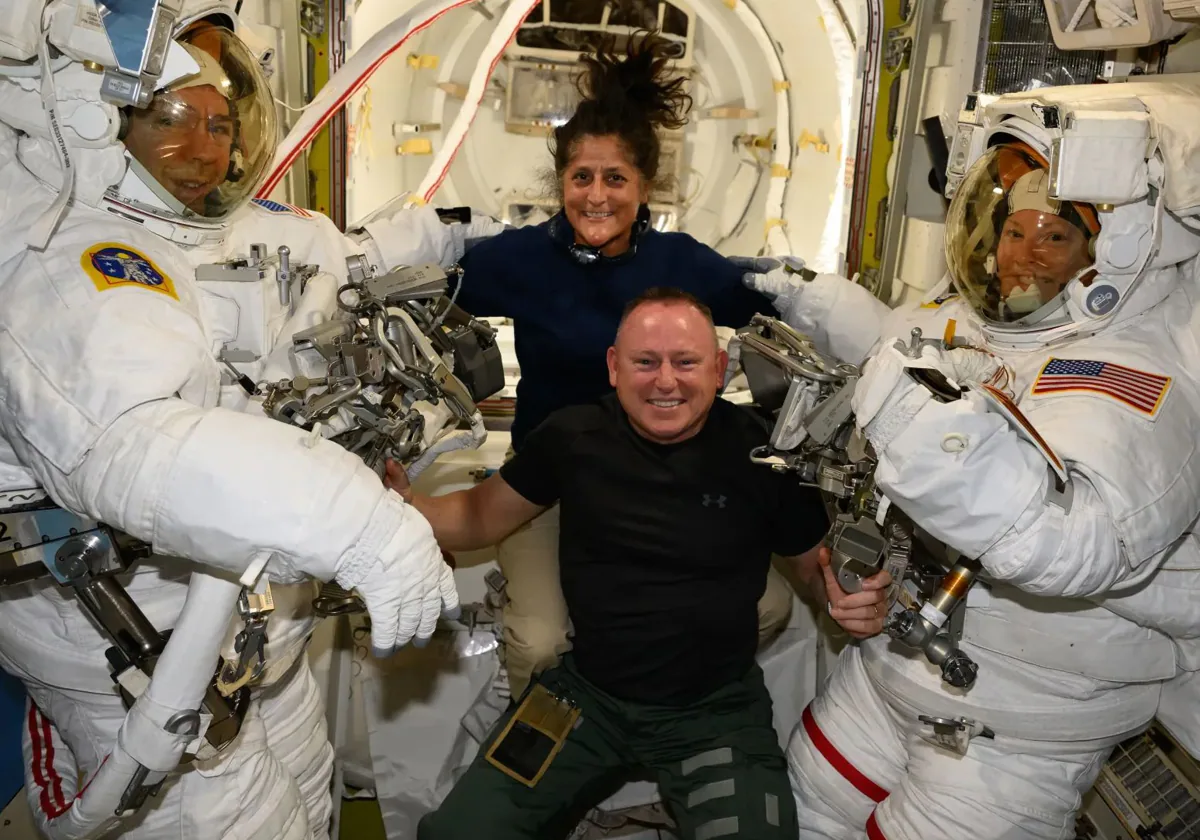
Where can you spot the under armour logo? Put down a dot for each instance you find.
(714, 501)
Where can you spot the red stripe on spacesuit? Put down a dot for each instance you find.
(49, 783)
(36, 758)
(874, 832)
(56, 793)
(840, 763)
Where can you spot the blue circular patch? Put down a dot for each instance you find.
(125, 265)
(1102, 299)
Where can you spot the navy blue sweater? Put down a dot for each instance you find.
(565, 314)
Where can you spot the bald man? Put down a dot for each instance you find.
(667, 535)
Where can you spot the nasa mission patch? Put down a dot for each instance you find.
(112, 265)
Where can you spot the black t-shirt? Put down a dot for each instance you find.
(664, 549)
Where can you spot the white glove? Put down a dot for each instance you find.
(398, 570)
(886, 398)
(967, 365)
(777, 278)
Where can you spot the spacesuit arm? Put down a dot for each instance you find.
(1078, 550)
(225, 488)
(842, 317)
(966, 477)
(104, 400)
(394, 237)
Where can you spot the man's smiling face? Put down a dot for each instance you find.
(667, 368)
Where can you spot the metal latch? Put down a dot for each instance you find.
(954, 734)
(251, 643)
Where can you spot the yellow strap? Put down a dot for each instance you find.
(415, 146)
(731, 3)
(422, 62)
(773, 223)
(778, 170)
(781, 86)
(948, 335)
(807, 138)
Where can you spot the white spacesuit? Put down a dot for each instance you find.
(1071, 244)
(117, 397)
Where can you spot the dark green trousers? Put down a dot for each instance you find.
(718, 766)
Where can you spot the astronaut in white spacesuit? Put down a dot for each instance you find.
(1078, 291)
(118, 399)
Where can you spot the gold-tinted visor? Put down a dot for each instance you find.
(204, 143)
(1010, 248)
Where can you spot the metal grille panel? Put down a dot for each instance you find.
(1142, 785)
(1020, 51)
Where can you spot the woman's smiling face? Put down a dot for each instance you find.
(602, 191)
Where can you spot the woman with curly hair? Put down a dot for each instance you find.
(565, 284)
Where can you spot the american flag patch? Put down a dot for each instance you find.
(280, 207)
(1141, 391)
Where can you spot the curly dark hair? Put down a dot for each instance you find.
(629, 96)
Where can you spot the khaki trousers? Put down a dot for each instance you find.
(536, 620)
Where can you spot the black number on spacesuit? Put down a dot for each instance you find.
(4, 532)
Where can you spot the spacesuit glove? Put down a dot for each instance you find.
(777, 278)
(397, 568)
(968, 365)
(771, 276)
(886, 398)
